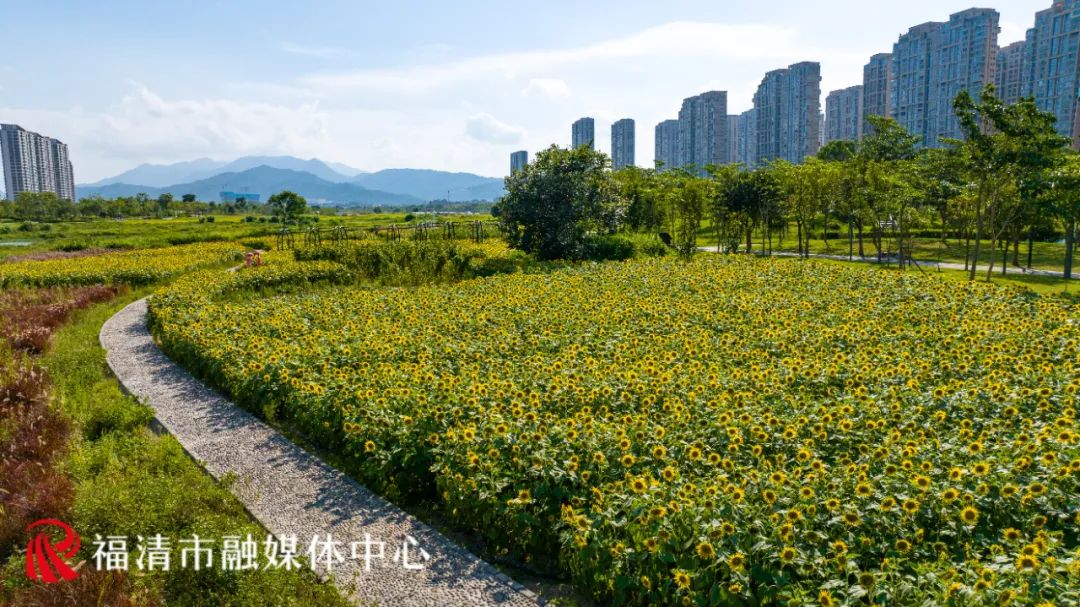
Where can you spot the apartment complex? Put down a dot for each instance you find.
(933, 62)
(622, 143)
(877, 88)
(35, 163)
(703, 130)
(844, 114)
(787, 105)
(583, 132)
(1009, 72)
(666, 152)
(746, 145)
(733, 138)
(1051, 64)
(518, 160)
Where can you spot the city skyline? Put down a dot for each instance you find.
(473, 102)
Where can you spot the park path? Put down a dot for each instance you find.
(293, 493)
(926, 264)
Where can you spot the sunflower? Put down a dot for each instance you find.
(737, 561)
(638, 484)
(706, 551)
(969, 515)
(682, 579)
(1027, 562)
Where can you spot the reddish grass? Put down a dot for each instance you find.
(45, 255)
(31, 315)
(33, 434)
(32, 438)
(92, 587)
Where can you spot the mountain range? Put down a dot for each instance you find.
(321, 182)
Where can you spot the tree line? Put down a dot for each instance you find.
(286, 206)
(1009, 182)
(47, 206)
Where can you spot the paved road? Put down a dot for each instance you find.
(292, 492)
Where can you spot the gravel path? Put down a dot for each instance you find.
(926, 264)
(293, 493)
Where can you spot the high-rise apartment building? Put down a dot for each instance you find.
(844, 114)
(35, 163)
(733, 138)
(703, 131)
(1052, 64)
(667, 144)
(1009, 79)
(877, 88)
(746, 146)
(913, 85)
(622, 143)
(583, 132)
(788, 108)
(933, 62)
(518, 160)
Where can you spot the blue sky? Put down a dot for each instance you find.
(443, 85)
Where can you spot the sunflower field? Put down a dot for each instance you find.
(135, 267)
(724, 431)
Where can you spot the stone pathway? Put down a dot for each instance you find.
(292, 492)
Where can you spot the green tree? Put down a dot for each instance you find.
(287, 206)
(838, 151)
(1064, 195)
(638, 187)
(1008, 150)
(687, 196)
(188, 198)
(553, 204)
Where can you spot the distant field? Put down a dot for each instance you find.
(143, 233)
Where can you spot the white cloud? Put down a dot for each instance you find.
(546, 87)
(487, 128)
(703, 41)
(322, 52)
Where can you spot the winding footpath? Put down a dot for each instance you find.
(293, 493)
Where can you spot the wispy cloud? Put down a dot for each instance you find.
(546, 87)
(321, 52)
(699, 40)
(485, 127)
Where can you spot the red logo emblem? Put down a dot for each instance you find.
(45, 561)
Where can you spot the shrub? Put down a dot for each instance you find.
(609, 248)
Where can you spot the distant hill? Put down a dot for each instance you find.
(262, 180)
(433, 185)
(160, 175)
(414, 185)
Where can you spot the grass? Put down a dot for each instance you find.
(131, 481)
